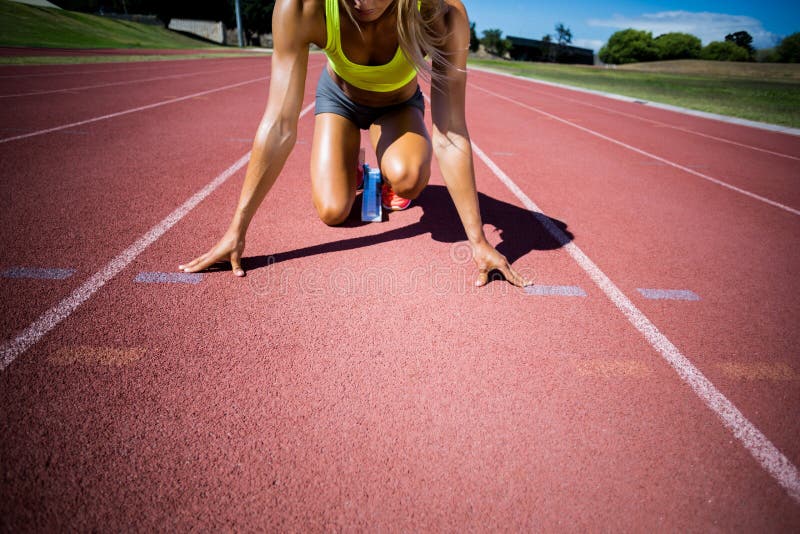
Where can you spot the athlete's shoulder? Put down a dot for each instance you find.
(299, 8)
(455, 21)
(306, 17)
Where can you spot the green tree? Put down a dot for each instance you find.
(788, 51)
(724, 51)
(548, 50)
(743, 39)
(494, 43)
(629, 46)
(564, 34)
(257, 15)
(474, 42)
(676, 45)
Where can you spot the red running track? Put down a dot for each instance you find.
(355, 378)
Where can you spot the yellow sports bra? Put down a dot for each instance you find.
(381, 78)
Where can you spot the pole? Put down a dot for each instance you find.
(239, 24)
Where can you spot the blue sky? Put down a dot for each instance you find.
(592, 23)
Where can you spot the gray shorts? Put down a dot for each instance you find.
(331, 99)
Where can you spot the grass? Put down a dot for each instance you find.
(759, 92)
(25, 25)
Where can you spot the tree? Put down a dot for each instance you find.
(564, 34)
(743, 39)
(256, 18)
(788, 50)
(677, 45)
(494, 43)
(724, 51)
(629, 46)
(474, 42)
(548, 50)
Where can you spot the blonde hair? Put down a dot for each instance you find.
(417, 36)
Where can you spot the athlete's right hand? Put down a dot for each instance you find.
(229, 248)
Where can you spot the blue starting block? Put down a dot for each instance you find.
(371, 209)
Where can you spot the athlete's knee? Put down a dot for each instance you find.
(331, 213)
(407, 179)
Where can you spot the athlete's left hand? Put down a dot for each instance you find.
(488, 259)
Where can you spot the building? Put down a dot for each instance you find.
(533, 50)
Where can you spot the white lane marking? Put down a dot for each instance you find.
(667, 125)
(168, 278)
(126, 82)
(757, 444)
(10, 350)
(559, 291)
(41, 273)
(642, 152)
(123, 68)
(132, 110)
(668, 294)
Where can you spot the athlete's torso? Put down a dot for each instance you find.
(376, 44)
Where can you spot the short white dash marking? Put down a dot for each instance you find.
(668, 294)
(559, 291)
(37, 272)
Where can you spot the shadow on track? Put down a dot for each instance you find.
(520, 230)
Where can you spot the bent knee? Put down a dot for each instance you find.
(333, 214)
(408, 181)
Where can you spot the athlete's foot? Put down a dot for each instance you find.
(391, 201)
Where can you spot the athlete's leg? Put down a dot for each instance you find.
(334, 161)
(404, 150)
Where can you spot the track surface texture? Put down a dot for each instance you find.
(355, 379)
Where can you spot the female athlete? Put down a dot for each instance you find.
(376, 49)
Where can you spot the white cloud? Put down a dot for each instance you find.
(707, 26)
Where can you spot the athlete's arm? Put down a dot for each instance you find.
(451, 144)
(276, 134)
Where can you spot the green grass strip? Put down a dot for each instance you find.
(25, 25)
(753, 97)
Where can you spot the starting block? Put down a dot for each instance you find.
(371, 209)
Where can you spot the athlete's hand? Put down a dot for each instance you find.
(229, 248)
(488, 259)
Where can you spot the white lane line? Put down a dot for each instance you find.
(10, 350)
(154, 65)
(757, 444)
(664, 124)
(133, 110)
(113, 84)
(642, 152)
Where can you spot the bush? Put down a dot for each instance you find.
(629, 46)
(767, 55)
(724, 51)
(677, 45)
(494, 43)
(789, 49)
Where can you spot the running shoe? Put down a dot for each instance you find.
(391, 201)
(360, 177)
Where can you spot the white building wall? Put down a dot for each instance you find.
(213, 31)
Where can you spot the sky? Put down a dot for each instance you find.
(592, 23)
